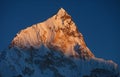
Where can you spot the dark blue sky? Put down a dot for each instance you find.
(97, 20)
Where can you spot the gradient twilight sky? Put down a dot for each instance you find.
(97, 20)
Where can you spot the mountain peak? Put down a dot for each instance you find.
(41, 50)
(57, 33)
(61, 11)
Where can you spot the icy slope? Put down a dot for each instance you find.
(53, 48)
(44, 62)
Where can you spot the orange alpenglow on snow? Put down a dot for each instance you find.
(58, 33)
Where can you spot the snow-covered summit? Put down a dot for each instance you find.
(58, 32)
(45, 50)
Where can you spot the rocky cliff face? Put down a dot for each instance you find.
(53, 48)
(58, 32)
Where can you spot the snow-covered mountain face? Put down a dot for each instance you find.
(58, 32)
(53, 48)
